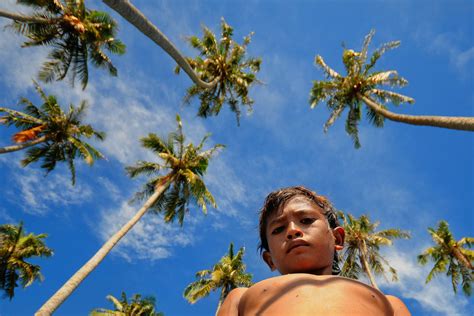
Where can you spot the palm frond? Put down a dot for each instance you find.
(330, 73)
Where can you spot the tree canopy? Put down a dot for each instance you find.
(15, 248)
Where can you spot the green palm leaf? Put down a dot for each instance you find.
(450, 256)
(76, 34)
(15, 248)
(362, 244)
(185, 164)
(228, 274)
(62, 132)
(341, 93)
(222, 61)
(137, 306)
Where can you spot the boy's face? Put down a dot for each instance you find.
(300, 239)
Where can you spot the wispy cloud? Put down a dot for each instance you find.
(5, 216)
(113, 191)
(230, 192)
(461, 57)
(21, 64)
(38, 195)
(150, 239)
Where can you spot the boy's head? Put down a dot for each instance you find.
(299, 232)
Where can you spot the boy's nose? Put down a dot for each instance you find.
(293, 231)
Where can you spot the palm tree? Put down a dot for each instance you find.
(129, 12)
(76, 34)
(219, 78)
(451, 256)
(224, 61)
(168, 192)
(138, 306)
(362, 85)
(228, 274)
(15, 247)
(362, 245)
(50, 134)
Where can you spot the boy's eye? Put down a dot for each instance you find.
(277, 230)
(307, 221)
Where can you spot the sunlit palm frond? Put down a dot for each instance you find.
(449, 256)
(137, 306)
(341, 92)
(222, 60)
(227, 274)
(362, 244)
(330, 73)
(185, 164)
(76, 34)
(63, 133)
(15, 248)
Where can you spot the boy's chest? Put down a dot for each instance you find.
(312, 296)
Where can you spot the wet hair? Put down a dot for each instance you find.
(279, 198)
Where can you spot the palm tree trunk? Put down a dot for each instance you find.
(9, 149)
(365, 264)
(63, 293)
(137, 19)
(461, 258)
(21, 17)
(450, 122)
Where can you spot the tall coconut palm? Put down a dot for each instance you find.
(51, 135)
(129, 12)
(222, 60)
(75, 33)
(228, 274)
(15, 248)
(219, 78)
(451, 256)
(175, 181)
(362, 245)
(138, 306)
(362, 85)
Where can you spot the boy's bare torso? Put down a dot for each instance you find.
(307, 294)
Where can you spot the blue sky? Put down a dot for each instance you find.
(405, 176)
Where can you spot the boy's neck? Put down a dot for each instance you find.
(324, 271)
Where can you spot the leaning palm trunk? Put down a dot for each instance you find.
(21, 17)
(461, 258)
(453, 122)
(365, 265)
(9, 149)
(63, 293)
(137, 19)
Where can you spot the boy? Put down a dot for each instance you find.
(299, 236)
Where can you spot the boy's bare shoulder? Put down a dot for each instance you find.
(399, 308)
(230, 306)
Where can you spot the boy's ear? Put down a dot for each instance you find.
(267, 257)
(339, 234)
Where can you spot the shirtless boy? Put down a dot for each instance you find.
(299, 237)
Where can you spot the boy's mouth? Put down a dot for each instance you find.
(296, 244)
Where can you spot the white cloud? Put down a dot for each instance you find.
(5, 216)
(108, 186)
(150, 239)
(226, 187)
(37, 194)
(23, 63)
(462, 59)
(448, 44)
(435, 297)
